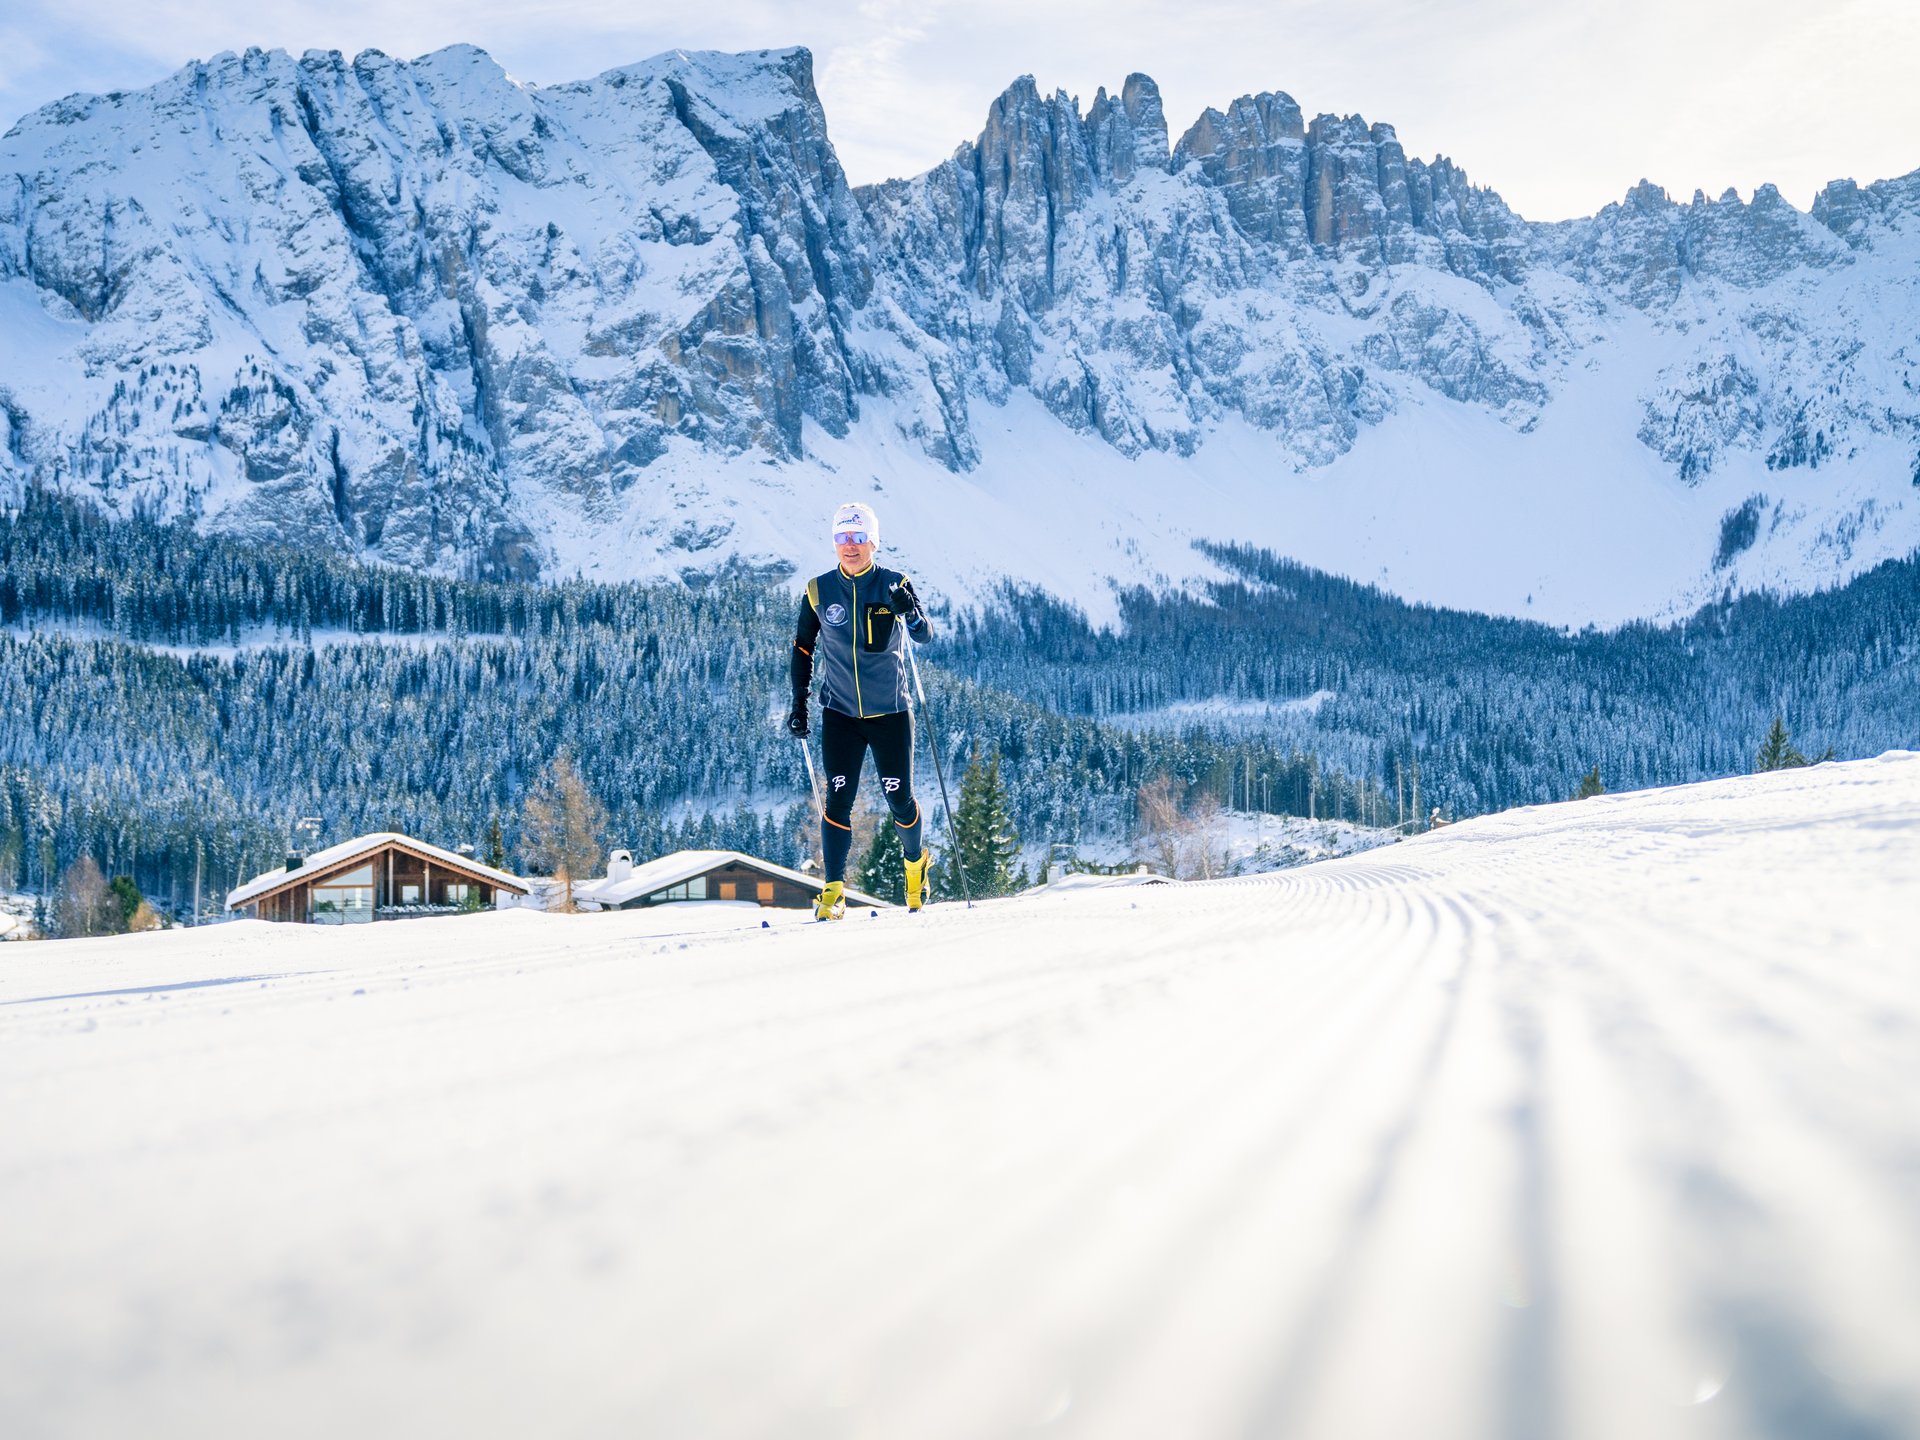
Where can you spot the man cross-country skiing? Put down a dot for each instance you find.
(854, 624)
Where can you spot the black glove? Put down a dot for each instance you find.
(906, 604)
(797, 721)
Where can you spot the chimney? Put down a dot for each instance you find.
(295, 861)
(620, 865)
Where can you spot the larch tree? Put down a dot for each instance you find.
(84, 904)
(562, 824)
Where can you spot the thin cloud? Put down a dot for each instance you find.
(1559, 106)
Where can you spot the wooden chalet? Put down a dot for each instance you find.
(704, 875)
(385, 876)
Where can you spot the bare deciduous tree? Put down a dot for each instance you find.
(1161, 823)
(1180, 832)
(561, 825)
(84, 904)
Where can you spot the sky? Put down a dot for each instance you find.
(1561, 107)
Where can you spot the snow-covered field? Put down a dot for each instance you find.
(1239, 842)
(1596, 1119)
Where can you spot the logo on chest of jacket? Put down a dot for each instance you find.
(835, 614)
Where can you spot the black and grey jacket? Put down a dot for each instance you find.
(850, 628)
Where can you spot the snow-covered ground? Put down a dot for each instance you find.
(1595, 1119)
(16, 915)
(1237, 842)
(254, 637)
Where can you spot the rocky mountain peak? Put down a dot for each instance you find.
(1128, 133)
(419, 310)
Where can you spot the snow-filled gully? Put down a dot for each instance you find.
(1587, 1120)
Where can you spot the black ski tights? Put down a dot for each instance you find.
(844, 742)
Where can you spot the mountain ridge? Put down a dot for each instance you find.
(643, 324)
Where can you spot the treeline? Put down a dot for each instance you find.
(167, 584)
(666, 696)
(1495, 712)
(1313, 694)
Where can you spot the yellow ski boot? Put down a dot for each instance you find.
(830, 903)
(916, 881)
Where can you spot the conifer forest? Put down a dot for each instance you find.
(174, 700)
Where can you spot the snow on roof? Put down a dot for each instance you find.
(1088, 881)
(685, 864)
(333, 855)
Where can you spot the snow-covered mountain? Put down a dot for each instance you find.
(642, 324)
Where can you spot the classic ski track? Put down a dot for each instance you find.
(1409, 1142)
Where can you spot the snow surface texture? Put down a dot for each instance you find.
(1593, 1119)
(1241, 842)
(641, 325)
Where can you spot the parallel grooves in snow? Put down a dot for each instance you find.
(1586, 1120)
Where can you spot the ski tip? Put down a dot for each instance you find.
(766, 924)
(874, 913)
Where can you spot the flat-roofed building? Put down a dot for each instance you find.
(383, 876)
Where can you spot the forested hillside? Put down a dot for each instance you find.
(1496, 712)
(166, 691)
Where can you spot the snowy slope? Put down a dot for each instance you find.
(642, 325)
(1592, 1119)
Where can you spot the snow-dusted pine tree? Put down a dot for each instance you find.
(984, 837)
(882, 872)
(1776, 751)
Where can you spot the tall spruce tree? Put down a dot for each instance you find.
(883, 871)
(985, 841)
(128, 895)
(1776, 751)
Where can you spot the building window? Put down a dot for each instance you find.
(763, 892)
(344, 899)
(729, 890)
(409, 894)
(457, 892)
(694, 889)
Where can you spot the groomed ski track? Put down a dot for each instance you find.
(1597, 1120)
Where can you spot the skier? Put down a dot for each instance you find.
(854, 621)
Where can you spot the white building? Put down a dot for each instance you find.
(703, 875)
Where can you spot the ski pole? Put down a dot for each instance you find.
(933, 744)
(813, 777)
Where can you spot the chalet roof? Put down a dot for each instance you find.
(1084, 880)
(685, 864)
(334, 855)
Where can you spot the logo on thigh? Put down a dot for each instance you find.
(891, 783)
(839, 782)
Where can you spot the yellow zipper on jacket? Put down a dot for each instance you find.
(853, 596)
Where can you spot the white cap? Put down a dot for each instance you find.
(857, 515)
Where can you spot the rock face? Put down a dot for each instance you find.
(426, 313)
(411, 308)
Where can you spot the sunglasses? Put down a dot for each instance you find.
(849, 537)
